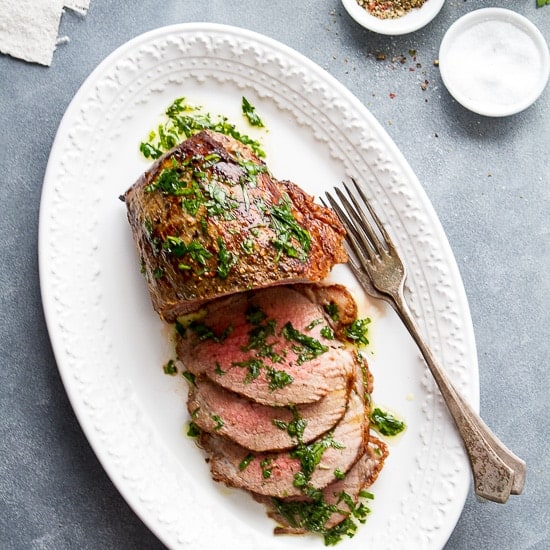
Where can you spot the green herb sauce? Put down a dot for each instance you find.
(249, 112)
(184, 120)
(290, 237)
(385, 423)
(357, 332)
(305, 347)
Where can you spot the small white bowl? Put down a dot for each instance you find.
(494, 62)
(411, 21)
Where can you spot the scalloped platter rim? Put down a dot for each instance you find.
(110, 346)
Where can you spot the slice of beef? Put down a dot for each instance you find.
(336, 301)
(275, 474)
(270, 345)
(338, 499)
(260, 427)
(210, 220)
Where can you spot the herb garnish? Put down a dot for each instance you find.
(170, 368)
(357, 331)
(328, 333)
(185, 120)
(254, 367)
(204, 332)
(226, 260)
(386, 423)
(331, 310)
(218, 420)
(249, 111)
(193, 430)
(310, 456)
(313, 516)
(194, 249)
(290, 237)
(189, 376)
(278, 378)
(267, 467)
(295, 428)
(246, 461)
(305, 347)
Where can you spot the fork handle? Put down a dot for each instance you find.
(496, 470)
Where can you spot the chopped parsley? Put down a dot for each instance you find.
(204, 332)
(193, 430)
(310, 456)
(249, 111)
(313, 516)
(278, 378)
(254, 367)
(385, 423)
(193, 250)
(184, 120)
(170, 368)
(189, 376)
(295, 428)
(357, 332)
(218, 420)
(267, 467)
(254, 315)
(290, 237)
(305, 347)
(328, 333)
(331, 310)
(226, 259)
(246, 461)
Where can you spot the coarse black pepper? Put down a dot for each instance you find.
(389, 9)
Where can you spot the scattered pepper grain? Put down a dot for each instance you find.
(389, 9)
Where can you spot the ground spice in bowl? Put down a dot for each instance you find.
(389, 9)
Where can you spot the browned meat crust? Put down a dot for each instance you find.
(210, 220)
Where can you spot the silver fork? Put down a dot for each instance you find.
(497, 472)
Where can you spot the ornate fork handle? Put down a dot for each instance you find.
(497, 471)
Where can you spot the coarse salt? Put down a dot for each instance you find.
(494, 65)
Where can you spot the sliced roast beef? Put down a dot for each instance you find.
(210, 220)
(260, 427)
(273, 345)
(280, 474)
(338, 500)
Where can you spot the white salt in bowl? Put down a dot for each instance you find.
(494, 62)
(411, 21)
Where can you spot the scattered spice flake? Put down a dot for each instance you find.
(424, 85)
(380, 56)
(392, 95)
(436, 62)
(389, 9)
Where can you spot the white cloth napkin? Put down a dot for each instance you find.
(28, 28)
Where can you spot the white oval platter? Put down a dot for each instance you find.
(110, 346)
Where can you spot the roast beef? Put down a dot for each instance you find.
(275, 473)
(260, 427)
(272, 345)
(337, 501)
(210, 220)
